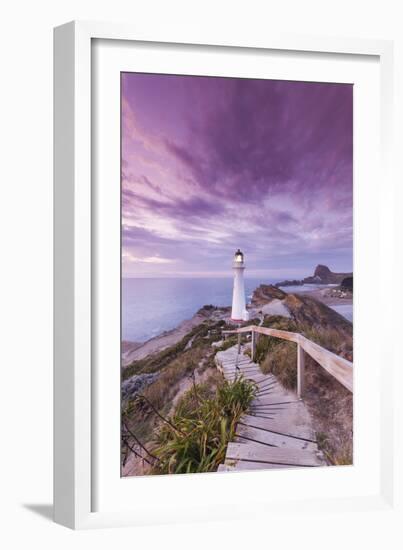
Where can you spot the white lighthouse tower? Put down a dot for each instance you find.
(239, 312)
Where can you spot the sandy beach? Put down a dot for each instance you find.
(322, 294)
(169, 338)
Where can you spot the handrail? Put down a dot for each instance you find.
(337, 366)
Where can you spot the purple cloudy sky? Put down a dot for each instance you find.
(213, 164)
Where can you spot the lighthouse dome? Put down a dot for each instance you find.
(238, 257)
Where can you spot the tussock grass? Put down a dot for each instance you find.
(229, 342)
(330, 338)
(164, 388)
(279, 322)
(282, 362)
(161, 393)
(340, 455)
(190, 400)
(204, 426)
(201, 336)
(331, 408)
(208, 362)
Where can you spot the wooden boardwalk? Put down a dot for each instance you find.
(277, 431)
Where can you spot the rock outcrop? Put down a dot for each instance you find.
(303, 311)
(322, 275)
(292, 282)
(137, 383)
(307, 310)
(264, 294)
(347, 284)
(276, 307)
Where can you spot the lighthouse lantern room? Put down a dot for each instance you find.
(239, 313)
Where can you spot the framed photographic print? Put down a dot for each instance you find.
(219, 229)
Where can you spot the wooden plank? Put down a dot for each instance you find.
(264, 437)
(271, 407)
(265, 415)
(272, 383)
(280, 425)
(243, 366)
(256, 378)
(244, 373)
(230, 359)
(232, 364)
(292, 413)
(300, 371)
(262, 380)
(273, 400)
(246, 376)
(241, 465)
(283, 334)
(270, 410)
(260, 453)
(232, 369)
(253, 345)
(232, 377)
(269, 392)
(274, 392)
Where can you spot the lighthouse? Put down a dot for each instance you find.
(239, 313)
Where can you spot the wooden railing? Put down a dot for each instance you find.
(338, 367)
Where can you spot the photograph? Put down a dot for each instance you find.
(203, 237)
(236, 274)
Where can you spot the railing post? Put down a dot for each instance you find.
(253, 350)
(300, 371)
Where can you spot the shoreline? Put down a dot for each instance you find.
(320, 294)
(168, 338)
(133, 351)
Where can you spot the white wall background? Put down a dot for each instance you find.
(26, 267)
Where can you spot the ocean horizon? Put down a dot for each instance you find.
(151, 306)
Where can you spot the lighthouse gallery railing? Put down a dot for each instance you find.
(336, 366)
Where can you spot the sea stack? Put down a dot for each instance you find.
(239, 313)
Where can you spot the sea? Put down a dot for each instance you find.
(153, 305)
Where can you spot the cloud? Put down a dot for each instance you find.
(128, 256)
(210, 164)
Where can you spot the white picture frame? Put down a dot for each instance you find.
(77, 471)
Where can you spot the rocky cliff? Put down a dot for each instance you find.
(263, 294)
(347, 284)
(322, 275)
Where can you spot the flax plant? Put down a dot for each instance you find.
(199, 442)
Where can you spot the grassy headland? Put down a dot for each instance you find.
(185, 413)
(191, 394)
